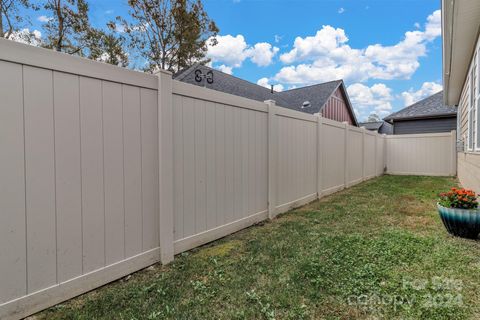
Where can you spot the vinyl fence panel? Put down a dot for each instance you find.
(370, 152)
(422, 154)
(68, 175)
(220, 158)
(296, 159)
(79, 167)
(13, 255)
(380, 154)
(355, 155)
(333, 151)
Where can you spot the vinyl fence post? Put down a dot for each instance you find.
(384, 156)
(375, 159)
(319, 155)
(345, 171)
(364, 163)
(378, 140)
(165, 158)
(272, 161)
(454, 152)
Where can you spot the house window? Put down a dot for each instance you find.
(476, 94)
(473, 90)
(471, 110)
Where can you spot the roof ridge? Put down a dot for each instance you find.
(312, 85)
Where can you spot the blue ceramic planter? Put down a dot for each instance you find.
(463, 223)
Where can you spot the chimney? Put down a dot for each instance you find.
(271, 88)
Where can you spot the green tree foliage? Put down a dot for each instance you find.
(373, 117)
(169, 34)
(69, 30)
(10, 18)
(109, 48)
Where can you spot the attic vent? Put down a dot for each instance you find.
(305, 104)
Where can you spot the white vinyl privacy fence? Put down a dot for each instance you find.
(105, 171)
(431, 154)
(238, 161)
(79, 199)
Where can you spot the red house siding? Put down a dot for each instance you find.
(336, 108)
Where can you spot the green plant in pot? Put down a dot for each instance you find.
(459, 212)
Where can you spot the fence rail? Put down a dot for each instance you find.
(105, 171)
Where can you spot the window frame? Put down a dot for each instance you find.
(470, 109)
(476, 94)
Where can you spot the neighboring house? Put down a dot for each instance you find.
(429, 115)
(330, 99)
(461, 75)
(378, 126)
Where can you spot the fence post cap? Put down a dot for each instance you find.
(270, 102)
(159, 71)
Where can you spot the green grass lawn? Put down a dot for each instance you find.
(377, 250)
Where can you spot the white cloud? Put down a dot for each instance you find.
(427, 89)
(119, 28)
(433, 27)
(233, 51)
(341, 10)
(278, 38)
(225, 69)
(264, 82)
(327, 55)
(26, 36)
(375, 99)
(416, 25)
(262, 54)
(44, 18)
(313, 47)
(229, 50)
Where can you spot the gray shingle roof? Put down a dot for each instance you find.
(378, 126)
(371, 125)
(429, 107)
(229, 84)
(317, 94)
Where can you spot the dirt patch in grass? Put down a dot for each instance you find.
(220, 250)
(418, 223)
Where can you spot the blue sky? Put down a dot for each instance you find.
(388, 51)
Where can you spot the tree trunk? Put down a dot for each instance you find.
(2, 34)
(58, 47)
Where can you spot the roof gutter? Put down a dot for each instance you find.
(447, 27)
(445, 115)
